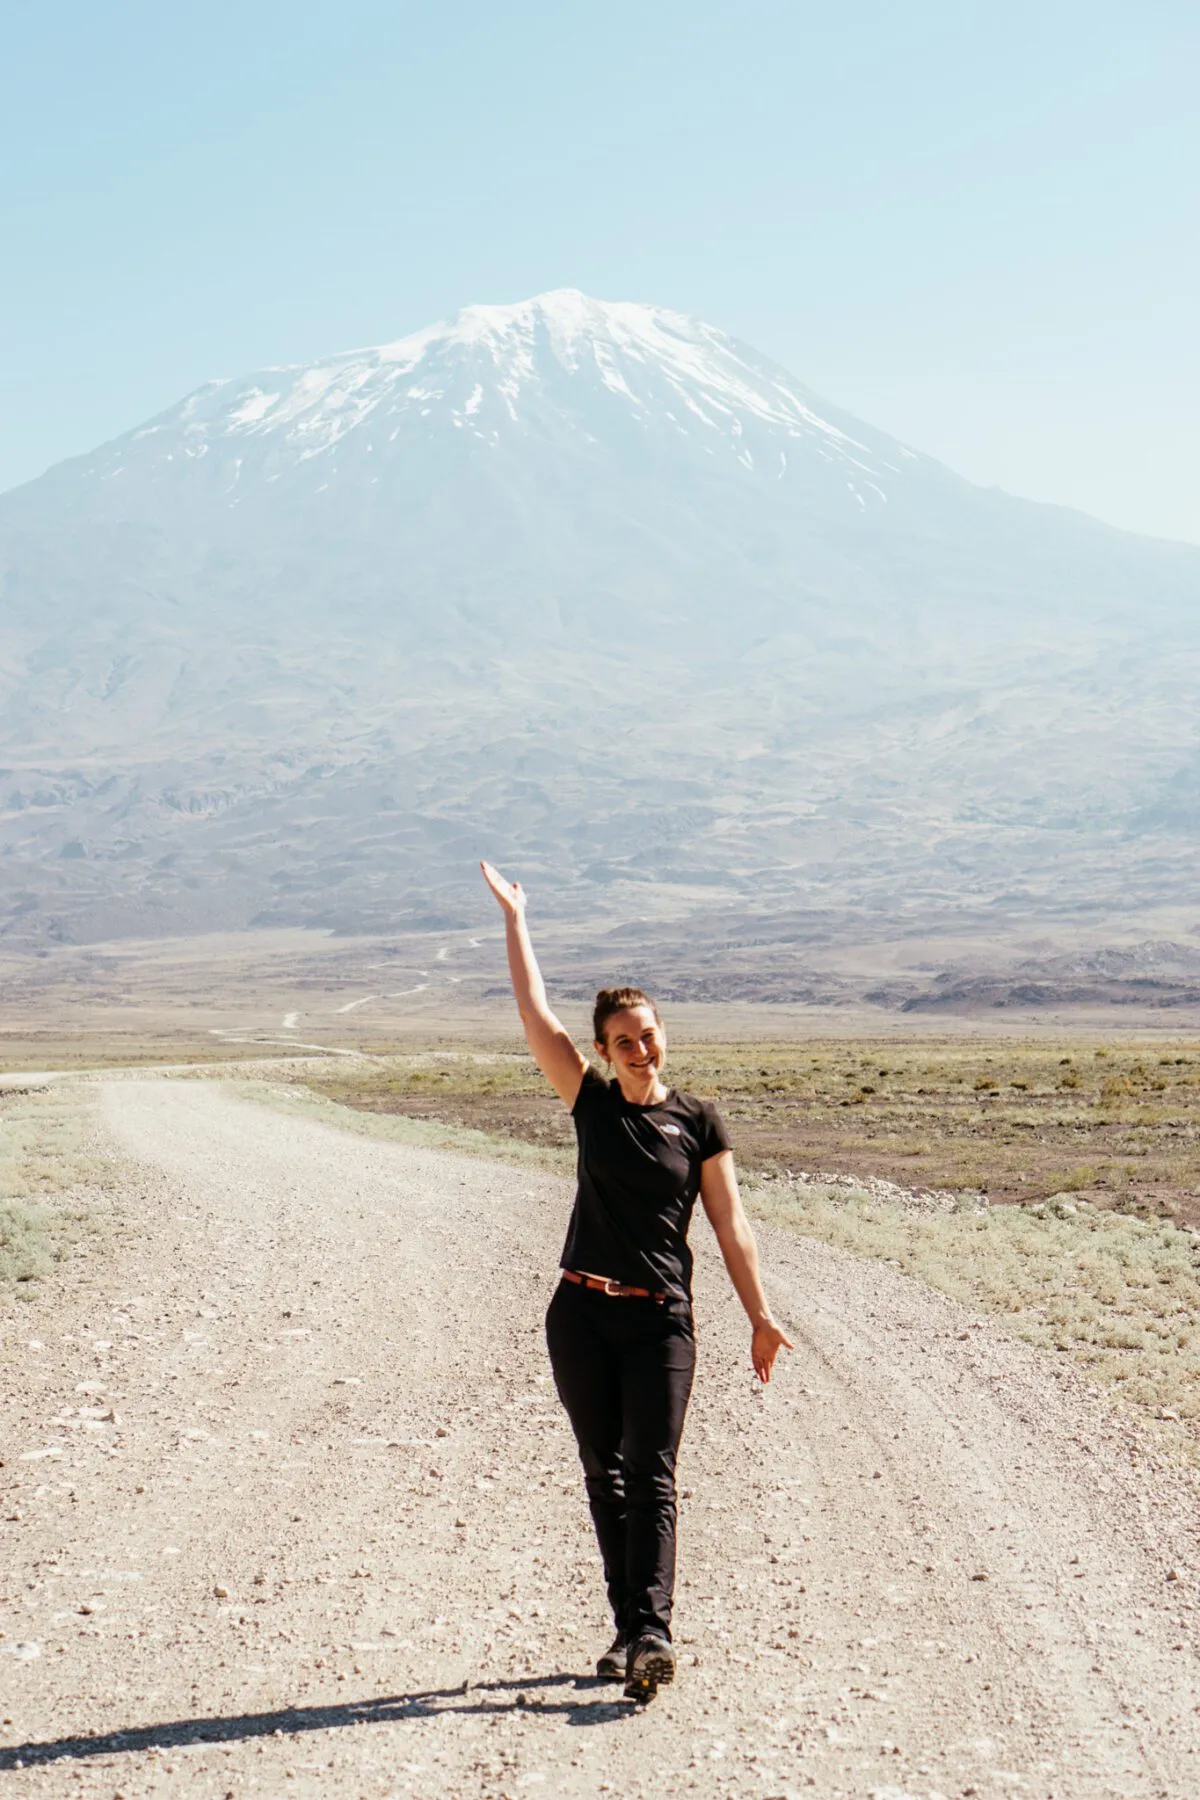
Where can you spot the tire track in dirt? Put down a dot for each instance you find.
(337, 1487)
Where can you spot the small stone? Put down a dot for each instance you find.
(220, 1591)
(1174, 1574)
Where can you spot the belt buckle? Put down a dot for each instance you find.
(613, 1288)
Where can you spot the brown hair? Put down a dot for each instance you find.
(615, 1000)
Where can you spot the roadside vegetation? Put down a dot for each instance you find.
(311, 1099)
(1056, 1184)
(47, 1154)
(1119, 1294)
(1116, 1124)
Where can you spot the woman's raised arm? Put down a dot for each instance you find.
(552, 1049)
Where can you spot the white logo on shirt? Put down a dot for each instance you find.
(673, 1129)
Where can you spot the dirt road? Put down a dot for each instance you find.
(289, 1506)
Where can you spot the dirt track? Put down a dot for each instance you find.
(333, 1540)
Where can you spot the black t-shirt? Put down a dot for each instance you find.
(639, 1175)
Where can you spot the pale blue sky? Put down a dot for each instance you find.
(975, 225)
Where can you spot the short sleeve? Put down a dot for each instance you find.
(592, 1088)
(713, 1135)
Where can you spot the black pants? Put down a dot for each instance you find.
(623, 1369)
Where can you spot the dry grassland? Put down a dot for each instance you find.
(308, 1096)
(1120, 1295)
(1117, 1124)
(47, 1156)
(1096, 1149)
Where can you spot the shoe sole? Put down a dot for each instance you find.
(652, 1673)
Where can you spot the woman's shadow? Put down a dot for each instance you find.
(589, 1701)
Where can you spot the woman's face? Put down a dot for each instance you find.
(634, 1042)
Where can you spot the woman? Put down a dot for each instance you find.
(619, 1328)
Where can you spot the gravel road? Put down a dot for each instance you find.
(289, 1506)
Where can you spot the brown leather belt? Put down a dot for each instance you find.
(600, 1284)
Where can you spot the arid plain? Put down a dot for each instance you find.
(279, 1214)
(227, 994)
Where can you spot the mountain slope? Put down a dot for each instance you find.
(543, 576)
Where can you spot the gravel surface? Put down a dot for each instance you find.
(289, 1505)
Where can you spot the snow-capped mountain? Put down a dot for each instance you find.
(594, 458)
(558, 364)
(407, 595)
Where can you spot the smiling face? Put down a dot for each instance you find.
(636, 1046)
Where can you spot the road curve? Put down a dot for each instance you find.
(292, 1507)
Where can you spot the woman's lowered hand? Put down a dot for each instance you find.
(765, 1345)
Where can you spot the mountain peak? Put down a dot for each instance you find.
(560, 364)
(562, 316)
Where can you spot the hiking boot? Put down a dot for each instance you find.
(611, 1666)
(651, 1665)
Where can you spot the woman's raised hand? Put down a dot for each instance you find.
(553, 1051)
(510, 894)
